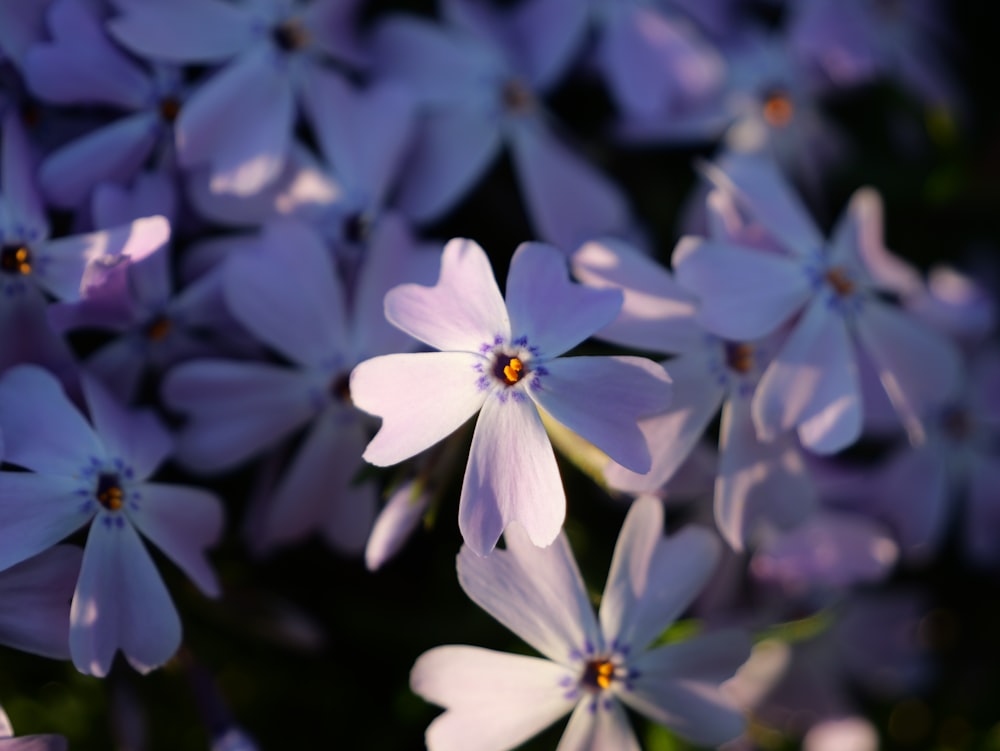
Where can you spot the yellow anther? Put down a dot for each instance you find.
(111, 498)
(512, 371)
(16, 259)
(598, 674)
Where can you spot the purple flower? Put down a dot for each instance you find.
(240, 121)
(502, 358)
(96, 473)
(758, 484)
(480, 80)
(831, 291)
(36, 595)
(82, 66)
(592, 666)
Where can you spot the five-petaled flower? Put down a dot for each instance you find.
(501, 358)
(496, 701)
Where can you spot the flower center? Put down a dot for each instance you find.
(598, 674)
(778, 109)
(357, 228)
(15, 259)
(517, 97)
(291, 35)
(739, 357)
(957, 424)
(109, 491)
(157, 329)
(837, 278)
(340, 388)
(510, 370)
(170, 108)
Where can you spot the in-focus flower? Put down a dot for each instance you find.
(502, 358)
(96, 473)
(593, 666)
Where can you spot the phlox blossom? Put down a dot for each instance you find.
(501, 358)
(95, 473)
(495, 701)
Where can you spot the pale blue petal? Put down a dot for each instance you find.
(120, 603)
(43, 430)
(552, 312)
(421, 398)
(597, 724)
(463, 311)
(182, 522)
(744, 293)
(235, 409)
(494, 700)
(569, 200)
(183, 31)
(535, 592)
(602, 399)
(511, 476)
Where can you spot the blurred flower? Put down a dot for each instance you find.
(96, 474)
(831, 292)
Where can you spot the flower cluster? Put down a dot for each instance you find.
(252, 329)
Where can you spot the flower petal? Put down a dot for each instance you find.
(535, 592)
(657, 315)
(234, 409)
(914, 498)
(759, 485)
(463, 311)
(81, 65)
(18, 189)
(919, 368)
(44, 431)
(672, 435)
(744, 293)
(113, 153)
(858, 241)
(447, 396)
(678, 570)
(36, 594)
(494, 700)
(38, 512)
(317, 494)
(182, 522)
(395, 523)
(628, 576)
(812, 384)
(183, 31)
(713, 657)
(137, 437)
(80, 266)
(240, 122)
(511, 476)
(451, 150)
(363, 134)
(770, 200)
(569, 201)
(120, 603)
(833, 549)
(697, 711)
(598, 724)
(554, 313)
(287, 292)
(601, 399)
